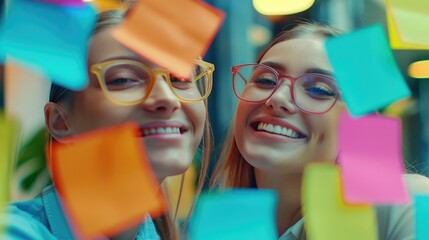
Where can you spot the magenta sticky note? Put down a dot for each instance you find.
(370, 159)
(69, 3)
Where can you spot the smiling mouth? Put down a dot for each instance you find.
(144, 132)
(276, 129)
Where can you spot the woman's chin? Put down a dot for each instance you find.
(277, 160)
(169, 166)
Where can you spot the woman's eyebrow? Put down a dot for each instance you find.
(275, 65)
(320, 71)
(132, 58)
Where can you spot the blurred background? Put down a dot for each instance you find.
(244, 33)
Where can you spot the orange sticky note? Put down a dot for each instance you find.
(105, 180)
(170, 33)
(405, 23)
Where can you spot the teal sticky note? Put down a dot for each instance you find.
(234, 215)
(365, 69)
(422, 216)
(50, 38)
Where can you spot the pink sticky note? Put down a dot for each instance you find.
(170, 33)
(370, 158)
(68, 3)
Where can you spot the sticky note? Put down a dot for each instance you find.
(327, 216)
(365, 70)
(401, 108)
(106, 5)
(105, 180)
(281, 7)
(419, 69)
(235, 214)
(181, 192)
(170, 34)
(49, 38)
(370, 158)
(407, 21)
(9, 135)
(421, 205)
(69, 3)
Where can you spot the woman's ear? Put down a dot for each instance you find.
(57, 122)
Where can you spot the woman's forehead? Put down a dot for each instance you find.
(104, 47)
(299, 54)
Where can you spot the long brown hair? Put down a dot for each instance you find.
(58, 94)
(232, 170)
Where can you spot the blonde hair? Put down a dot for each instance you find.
(232, 170)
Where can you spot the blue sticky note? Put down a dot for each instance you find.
(234, 215)
(365, 70)
(50, 38)
(422, 216)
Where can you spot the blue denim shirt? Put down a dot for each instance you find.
(43, 218)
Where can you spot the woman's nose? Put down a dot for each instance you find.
(282, 101)
(161, 98)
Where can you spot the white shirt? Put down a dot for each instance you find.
(293, 232)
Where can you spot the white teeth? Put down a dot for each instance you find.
(161, 130)
(277, 129)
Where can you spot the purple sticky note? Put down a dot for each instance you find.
(69, 3)
(370, 159)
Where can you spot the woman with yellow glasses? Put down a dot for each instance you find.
(171, 113)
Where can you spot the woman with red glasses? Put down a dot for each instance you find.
(170, 112)
(287, 117)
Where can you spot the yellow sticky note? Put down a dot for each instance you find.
(327, 216)
(8, 148)
(281, 7)
(407, 22)
(106, 5)
(181, 191)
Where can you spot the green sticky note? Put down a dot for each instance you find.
(327, 216)
(410, 18)
(365, 69)
(234, 215)
(8, 148)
